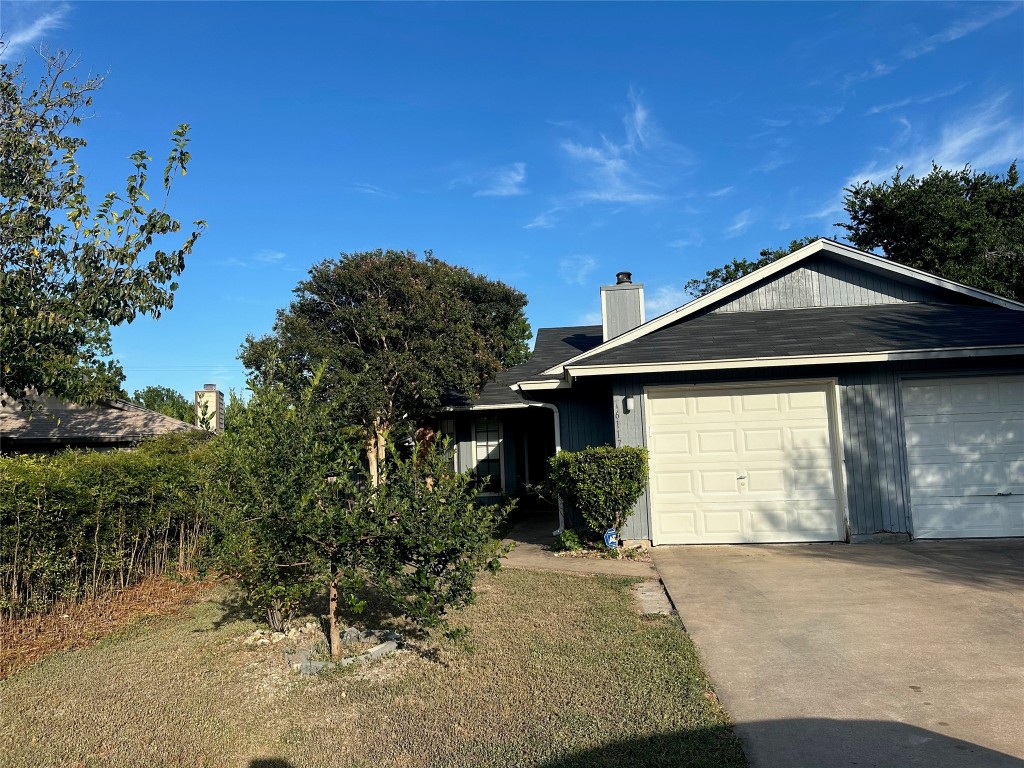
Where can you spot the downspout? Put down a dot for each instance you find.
(558, 449)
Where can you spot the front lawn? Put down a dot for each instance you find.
(562, 672)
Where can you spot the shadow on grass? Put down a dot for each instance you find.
(271, 762)
(811, 741)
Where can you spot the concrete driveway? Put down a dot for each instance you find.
(861, 655)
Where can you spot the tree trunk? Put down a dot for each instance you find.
(371, 460)
(332, 616)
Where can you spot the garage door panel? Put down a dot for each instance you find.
(752, 454)
(965, 452)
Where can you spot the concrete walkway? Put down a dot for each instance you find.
(532, 551)
(862, 655)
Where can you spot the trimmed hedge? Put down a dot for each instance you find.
(602, 483)
(76, 524)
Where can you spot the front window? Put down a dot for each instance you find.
(487, 447)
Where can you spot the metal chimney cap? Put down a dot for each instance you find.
(623, 277)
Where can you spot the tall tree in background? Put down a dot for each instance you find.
(388, 335)
(72, 272)
(961, 225)
(167, 401)
(737, 268)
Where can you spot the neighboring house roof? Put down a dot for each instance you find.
(56, 423)
(862, 259)
(552, 346)
(820, 334)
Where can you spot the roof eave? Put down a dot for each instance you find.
(614, 369)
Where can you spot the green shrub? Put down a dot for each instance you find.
(567, 541)
(602, 483)
(75, 524)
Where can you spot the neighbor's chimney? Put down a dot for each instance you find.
(210, 408)
(622, 306)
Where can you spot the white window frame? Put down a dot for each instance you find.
(501, 452)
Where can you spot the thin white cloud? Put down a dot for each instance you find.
(775, 123)
(880, 108)
(664, 299)
(25, 37)
(985, 136)
(626, 171)
(590, 318)
(721, 192)
(740, 223)
(267, 256)
(544, 220)
(959, 28)
(370, 189)
(576, 269)
(505, 182)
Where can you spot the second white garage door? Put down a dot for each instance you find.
(742, 465)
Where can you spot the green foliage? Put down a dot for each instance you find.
(278, 521)
(71, 272)
(77, 523)
(166, 401)
(737, 268)
(391, 335)
(431, 537)
(299, 513)
(567, 541)
(602, 483)
(961, 225)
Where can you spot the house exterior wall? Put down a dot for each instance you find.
(876, 483)
(826, 283)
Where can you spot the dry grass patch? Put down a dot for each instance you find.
(561, 671)
(24, 641)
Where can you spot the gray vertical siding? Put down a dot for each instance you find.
(622, 306)
(824, 283)
(878, 499)
(586, 419)
(630, 429)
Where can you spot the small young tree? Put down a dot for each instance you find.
(602, 483)
(301, 516)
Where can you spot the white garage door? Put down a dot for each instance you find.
(742, 465)
(965, 451)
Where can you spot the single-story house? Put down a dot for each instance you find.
(56, 425)
(832, 395)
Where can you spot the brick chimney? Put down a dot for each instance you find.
(622, 306)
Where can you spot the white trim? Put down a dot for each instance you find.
(544, 384)
(501, 453)
(876, 263)
(830, 386)
(466, 409)
(604, 317)
(558, 449)
(773, 362)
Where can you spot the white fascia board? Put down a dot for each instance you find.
(489, 407)
(527, 386)
(773, 362)
(844, 251)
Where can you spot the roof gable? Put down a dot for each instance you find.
(892, 278)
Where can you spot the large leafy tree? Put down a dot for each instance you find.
(389, 335)
(72, 271)
(737, 268)
(962, 225)
(167, 401)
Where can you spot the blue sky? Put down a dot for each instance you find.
(545, 145)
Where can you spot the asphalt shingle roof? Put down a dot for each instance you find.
(821, 331)
(554, 345)
(57, 422)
